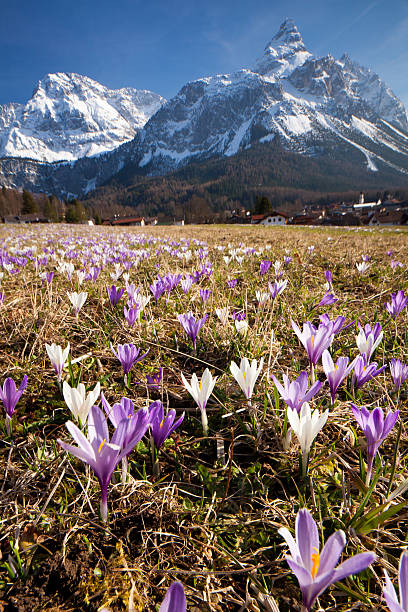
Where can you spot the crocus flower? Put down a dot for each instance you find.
(57, 357)
(338, 324)
(264, 266)
(328, 275)
(398, 302)
(77, 300)
(399, 372)
(154, 381)
(162, 426)
(317, 570)
(157, 288)
(138, 422)
(364, 371)
(186, 284)
(191, 325)
(97, 451)
(327, 299)
(246, 374)
(376, 428)
(222, 314)
(205, 295)
(368, 339)
(362, 267)
(128, 356)
(131, 314)
(306, 425)
(262, 297)
(335, 374)
(277, 287)
(287, 260)
(296, 393)
(175, 599)
(238, 316)
(390, 595)
(115, 295)
(201, 391)
(315, 340)
(78, 401)
(10, 395)
(396, 264)
(231, 283)
(241, 326)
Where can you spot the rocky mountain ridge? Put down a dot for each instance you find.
(316, 106)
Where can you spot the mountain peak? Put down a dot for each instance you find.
(288, 34)
(285, 52)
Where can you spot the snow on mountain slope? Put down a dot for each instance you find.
(71, 116)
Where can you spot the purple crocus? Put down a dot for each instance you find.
(205, 295)
(390, 595)
(97, 451)
(232, 282)
(327, 299)
(175, 599)
(315, 340)
(131, 314)
(339, 324)
(365, 371)
(399, 372)
(238, 316)
(296, 393)
(328, 275)
(138, 422)
(10, 395)
(398, 302)
(191, 325)
(317, 570)
(376, 428)
(115, 295)
(128, 356)
(287, 260)
(162, 426)
(157, 288)
(335, 374)
(154, 381)
(264, 266)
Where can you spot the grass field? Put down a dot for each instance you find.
(204, 510)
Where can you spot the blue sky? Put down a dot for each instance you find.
(162, 44)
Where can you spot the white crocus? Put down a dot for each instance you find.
(78, 402)
(117, 273)
(306, 425)
(57, 357)
(262, 297)
(201, 391)
(222, 314)
(367, 344)
(362, 267)
(241, 326)
(246, 375)
(77, 300)
(81, 276)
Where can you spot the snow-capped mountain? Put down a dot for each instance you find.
(70, 116)
(317, 106)
(312, 104)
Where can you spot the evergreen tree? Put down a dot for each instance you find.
(29, 204)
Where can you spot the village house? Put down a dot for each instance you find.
(271, 218)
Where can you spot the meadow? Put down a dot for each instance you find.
(177, 465)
